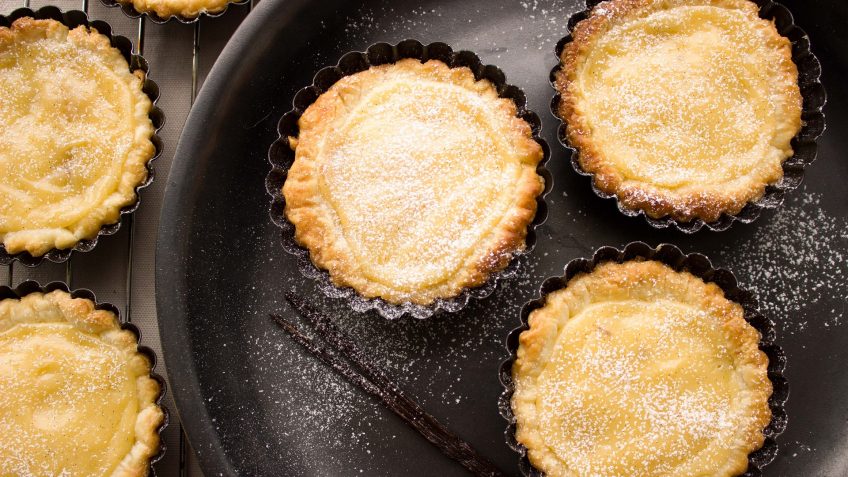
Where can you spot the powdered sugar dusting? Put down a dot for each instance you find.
(544, 23)
(667, 97)
(635, 385)
(273, 400)
(795, 260)
(412, 202)
(331, 420)
(61, 388)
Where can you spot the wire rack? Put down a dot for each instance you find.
(97, 271)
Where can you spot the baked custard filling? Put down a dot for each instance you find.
(75, 135)
(69, 402)
(635, 369)
(635, 385)
(681, 108)
(76, 396)
(412, 202)
(714, 121)
(412, 181)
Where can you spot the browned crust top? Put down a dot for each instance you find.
(60, 307)
(66, 234)
(637, 279)
(705, 205)
(316, 225)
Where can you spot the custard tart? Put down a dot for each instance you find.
(76, 397)
(680, 108)
(75, 137)
(412, 181)
(183, 9)
(637, 369)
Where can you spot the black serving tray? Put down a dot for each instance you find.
(253, 403)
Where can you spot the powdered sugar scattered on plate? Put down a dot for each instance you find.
(794, 260)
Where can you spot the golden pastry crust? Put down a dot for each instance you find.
(412, 181)
(635, 369)
(681, 108)
(76, 397)
(188, 9)
(75, 135)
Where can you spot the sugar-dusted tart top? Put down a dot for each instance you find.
(412, 180)
(680, 107)
(635, 369)
(75, 135)
(76, 398)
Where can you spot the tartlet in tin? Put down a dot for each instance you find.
(78, 135)
(184, 11)
(643, 362)
(413, 180)
(77, 396)
(684, 110)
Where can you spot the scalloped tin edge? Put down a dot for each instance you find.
(696, 264)
(281, 157)
(29, 286)
(130, 11)
(804, 143)
(72, 19)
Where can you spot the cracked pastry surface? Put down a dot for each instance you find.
(681, 108)
(75, 136)
(635, 369)
(412, 181)
(76, 398)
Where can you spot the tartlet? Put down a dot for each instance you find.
(77, 135)
(76, 395)
(412, 181)
(633, 369)
(185, 11)
(682, 109)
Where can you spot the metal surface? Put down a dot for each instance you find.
(120, 269)
(254, 404)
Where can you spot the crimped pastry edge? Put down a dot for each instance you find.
(281, 158)
(803, 144)
(81, 308)
(315, 230)
(699, 266)
(166, 13)
(139, 66)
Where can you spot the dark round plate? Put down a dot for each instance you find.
(254, 404)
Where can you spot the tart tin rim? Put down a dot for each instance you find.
(72, 19)
(804, 144)
(698, 265)
(130, 11)
(30, 286)
(281, 157)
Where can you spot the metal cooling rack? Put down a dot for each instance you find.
(98, 270)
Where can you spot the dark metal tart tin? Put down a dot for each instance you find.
(130, 11)
(698, 265)
(281, 157)
(803, 144)
(29, 286)
(73, 19)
